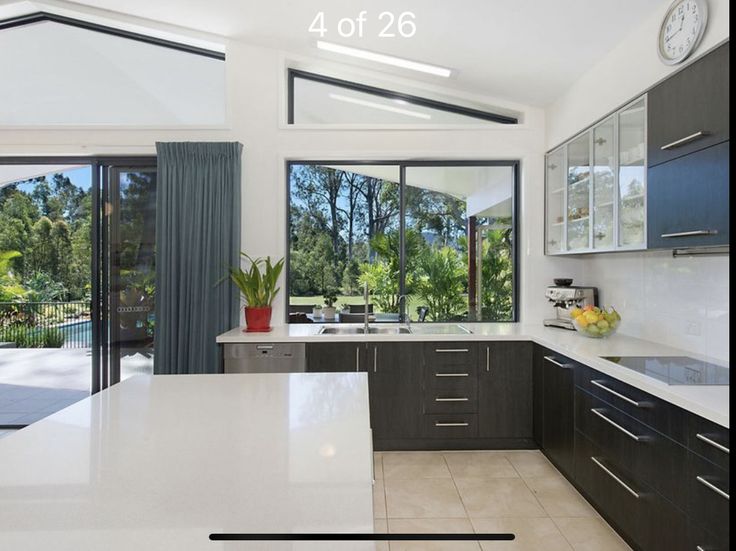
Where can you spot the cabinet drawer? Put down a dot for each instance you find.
(709, 440)
(451, 355)
(450, 425)
(701, 539)
(689, 111)
(647, 454)
(462, 400)
(687, 200)
(708, 491)
(645, 408)
(636, 510)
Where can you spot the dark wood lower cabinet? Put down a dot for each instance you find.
(335, 357)
(559, 410)
(505, 390)
(394, 383)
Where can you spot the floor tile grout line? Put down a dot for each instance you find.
(460, 496)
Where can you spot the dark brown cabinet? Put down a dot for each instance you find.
(335, 357)
(505, 392)
(558, 431)
(689, 110)
(687, 200)
(394, 383)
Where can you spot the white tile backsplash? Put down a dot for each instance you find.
(681, 302)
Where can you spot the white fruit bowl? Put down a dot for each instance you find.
(604, 325)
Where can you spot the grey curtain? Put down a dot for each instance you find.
(197, 237)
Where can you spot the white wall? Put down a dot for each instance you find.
(255, 82)
(682, 302)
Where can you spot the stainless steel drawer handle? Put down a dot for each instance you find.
(552, 360)
(488, 358)
(692, 233)
(710, 486)
(451, 424)
(716, 445)
(626, 399)
(685, 140)
(375, 359)
(451, 374)
(357, 358)
(616, 478)
(450, 350)
(451, 399)
(630, 434)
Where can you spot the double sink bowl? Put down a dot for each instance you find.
(392, 329)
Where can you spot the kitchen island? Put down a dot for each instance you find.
(161, 462)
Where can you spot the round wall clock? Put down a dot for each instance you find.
(682, 29)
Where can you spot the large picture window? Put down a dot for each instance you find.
(434, 241)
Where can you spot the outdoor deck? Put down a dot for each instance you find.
(36, 382)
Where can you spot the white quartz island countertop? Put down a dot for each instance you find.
(708, 401)
(160, 462)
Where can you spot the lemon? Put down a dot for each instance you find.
(581, 321)
(575, 312)
(591, 317)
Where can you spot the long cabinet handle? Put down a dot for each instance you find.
(692, 233)
(685, 140)
(630, 434)
(626, 399)
(716, 445)
(357, 358)
(450, 350)
(451, 374)
(451, 399)
(552, 360)
(712, 487)
(375, 359)
(488, 358)
(451, 424)
(616, 478)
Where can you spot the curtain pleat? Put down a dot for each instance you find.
(197, 238)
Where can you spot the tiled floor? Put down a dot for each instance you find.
(496, 491)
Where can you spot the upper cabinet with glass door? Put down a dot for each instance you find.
(596, 187)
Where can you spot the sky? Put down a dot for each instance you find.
(80, 177)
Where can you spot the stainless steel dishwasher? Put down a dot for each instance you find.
(265, 358)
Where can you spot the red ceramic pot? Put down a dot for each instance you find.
(258, 319)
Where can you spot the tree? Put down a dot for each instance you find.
(10, 287)
(441, 283)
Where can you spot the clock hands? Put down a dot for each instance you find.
(668, 38)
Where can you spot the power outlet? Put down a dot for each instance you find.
(692, 328)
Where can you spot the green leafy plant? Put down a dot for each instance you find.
(52, 338)
(258, 286)
(441, 285)
(10, 287)
(330, 297)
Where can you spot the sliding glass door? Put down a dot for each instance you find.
(77, 279)
(128, 289)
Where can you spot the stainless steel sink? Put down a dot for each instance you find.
(386, 330)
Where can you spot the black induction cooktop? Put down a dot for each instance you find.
(674, 370)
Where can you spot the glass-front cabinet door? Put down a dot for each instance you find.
(604, 184)
(632, 175)
(555, 201)
(578, 193)
(596, 186)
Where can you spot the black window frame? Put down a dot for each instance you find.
(41, 16)
(487, 116)
(515, 165)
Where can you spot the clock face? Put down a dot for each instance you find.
(682, 30)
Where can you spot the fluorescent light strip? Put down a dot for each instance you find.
(386, 59)
(380, 106)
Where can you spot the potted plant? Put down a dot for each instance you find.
(329, 310)
(344, 308)
(259, 289)
(317, 311)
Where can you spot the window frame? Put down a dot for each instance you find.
(482, 116)
(515, 165)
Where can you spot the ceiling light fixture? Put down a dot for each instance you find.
(383, 58)
(380, 106)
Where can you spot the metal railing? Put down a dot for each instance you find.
(46, 324)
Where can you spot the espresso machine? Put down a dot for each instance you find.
(564, 298)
